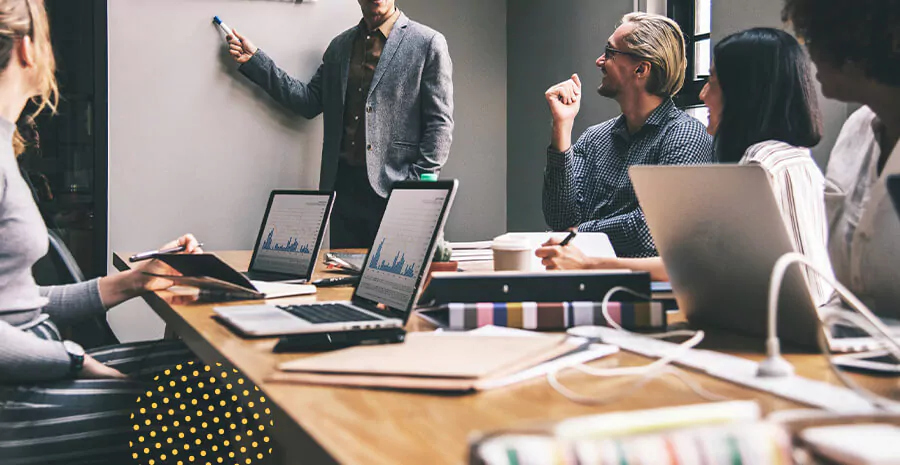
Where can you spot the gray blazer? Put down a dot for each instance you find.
(409, 109)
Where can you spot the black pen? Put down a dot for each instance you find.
(568, 238)
(152, 253)
(328, 282)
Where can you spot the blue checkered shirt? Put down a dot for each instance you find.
(588, 185)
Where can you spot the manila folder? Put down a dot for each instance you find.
(436, 355)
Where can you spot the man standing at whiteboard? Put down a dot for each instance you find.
(385, 88)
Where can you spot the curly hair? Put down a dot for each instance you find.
(864, 32)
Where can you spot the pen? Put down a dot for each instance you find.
(327, 282)
(152, 253)
(568, 238)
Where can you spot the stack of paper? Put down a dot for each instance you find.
(471, 251)
(592, 244)
(351, 262)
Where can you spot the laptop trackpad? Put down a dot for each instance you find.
(263, 314)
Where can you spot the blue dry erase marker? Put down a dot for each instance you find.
(224, 27)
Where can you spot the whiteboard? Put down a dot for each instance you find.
(194, 146)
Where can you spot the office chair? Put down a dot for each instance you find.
(59, 267)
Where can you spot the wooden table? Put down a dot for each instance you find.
(317, 424)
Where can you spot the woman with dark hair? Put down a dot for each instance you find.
(856, 49)
(762, 110)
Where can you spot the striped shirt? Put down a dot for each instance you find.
(799, 189)
(588, 185)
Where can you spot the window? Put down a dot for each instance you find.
(695, 19)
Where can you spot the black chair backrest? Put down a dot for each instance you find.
(58, 266)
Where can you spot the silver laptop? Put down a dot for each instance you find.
(291, 232)
(720, 232)
(390, 281)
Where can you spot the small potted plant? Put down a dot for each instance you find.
(442, 254)
(441, 261)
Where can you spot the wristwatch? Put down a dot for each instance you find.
(76, 357)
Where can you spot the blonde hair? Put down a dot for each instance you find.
(28, 18)
(660, 41)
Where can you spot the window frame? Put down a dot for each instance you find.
(684, 13)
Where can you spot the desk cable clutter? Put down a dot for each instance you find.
(644, 374)
(775, 366)
(774, 374)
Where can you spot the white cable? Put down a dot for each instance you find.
(876, 400)
(646, 369)
(677, 373)
(604, 307)
(865, 320)
(646, 373)
(789, 259)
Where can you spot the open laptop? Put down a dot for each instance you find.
(291, 232)
(720, 232)
(391, 278)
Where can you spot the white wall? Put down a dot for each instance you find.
(476, 35)
(195, 147)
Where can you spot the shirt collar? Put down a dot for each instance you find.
(386, 27)
(662, 114)
(7, 130)
(658, 117)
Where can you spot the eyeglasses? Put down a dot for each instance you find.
(30, 19)
(610, 52)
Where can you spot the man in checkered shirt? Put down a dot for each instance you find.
(586, 185)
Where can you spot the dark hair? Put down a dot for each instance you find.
(767, 92)
(865, 32)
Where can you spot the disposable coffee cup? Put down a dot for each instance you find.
(511, 253)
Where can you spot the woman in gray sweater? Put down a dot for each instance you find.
(58, 404)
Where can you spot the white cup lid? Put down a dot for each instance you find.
(511, 243)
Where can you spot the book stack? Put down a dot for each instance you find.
(721, 433)
(471, 251)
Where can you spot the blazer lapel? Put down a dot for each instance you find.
(390, 49)
(346, 52)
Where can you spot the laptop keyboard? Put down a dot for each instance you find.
(327, 313)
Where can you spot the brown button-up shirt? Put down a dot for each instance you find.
(367, 50)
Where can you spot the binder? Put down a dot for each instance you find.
(546, 316)
(514, 286)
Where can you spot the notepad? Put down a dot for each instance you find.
(432, 362)
(219, 281)
(432, 355)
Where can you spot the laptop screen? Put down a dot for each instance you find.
(291, 233)
(401, 252)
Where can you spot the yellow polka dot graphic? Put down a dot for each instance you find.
(185, 431)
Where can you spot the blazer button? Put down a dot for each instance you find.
(369, 147)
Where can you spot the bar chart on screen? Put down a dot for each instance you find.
(399, 252)
(290, 233)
